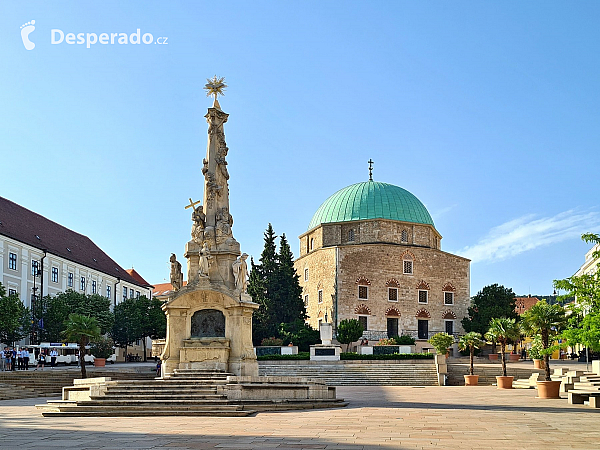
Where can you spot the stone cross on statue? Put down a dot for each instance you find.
(192, 204)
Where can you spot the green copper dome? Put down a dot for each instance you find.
(371, 200)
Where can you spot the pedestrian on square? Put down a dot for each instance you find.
(2, 360)
(26, 356)
(7, 357)
(53, 356)
(13, 359)
(41, 360)
(19, 359)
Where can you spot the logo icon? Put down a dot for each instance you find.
(26, 30)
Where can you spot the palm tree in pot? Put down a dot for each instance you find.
(83, 330)
(471, 341)
(503, 330)
(547, 321)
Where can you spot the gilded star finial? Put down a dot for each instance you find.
(215, 86)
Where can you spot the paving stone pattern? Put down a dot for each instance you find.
(392, 417)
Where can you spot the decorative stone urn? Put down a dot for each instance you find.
(504, 382)
(493, 356)
(514, 357)
(471, 380)
(548, 389)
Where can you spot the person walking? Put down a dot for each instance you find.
(7, 357)
(2, 360)
(41, 360)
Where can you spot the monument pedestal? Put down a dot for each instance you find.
(209, 329)
(326, 350)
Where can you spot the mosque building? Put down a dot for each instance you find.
(372, 253)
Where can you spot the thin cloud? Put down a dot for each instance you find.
(528, 233)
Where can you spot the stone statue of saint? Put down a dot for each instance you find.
(205, 258)
(199, 218)
(224, 221)
(176, 274)
(240, 272)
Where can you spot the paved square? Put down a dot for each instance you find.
(377, 417)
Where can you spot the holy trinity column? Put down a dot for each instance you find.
(213, 252)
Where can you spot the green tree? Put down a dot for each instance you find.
(547, 321)
(441, 342)
(262, 285)
(299, 333)
(471, 341)
(583, 323)
(50, 315)
(275, 286)
(125, 329)
(491, 302)
(503, 330)
(93, 305)
(15, 318)
(83, 330)
(289, 305)
(153, 321)
(349, 331)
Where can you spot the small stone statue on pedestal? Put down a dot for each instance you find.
(176, 274)
(240, 272)
(205, 258)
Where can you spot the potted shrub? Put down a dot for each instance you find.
(441, 342)
(503, 330)
(547, 321)
(535, 352)
(101, 348)
(471, 341)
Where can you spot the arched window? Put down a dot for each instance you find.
(312, 242)
(407, 264)
(404, 236)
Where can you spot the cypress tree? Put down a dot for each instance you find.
(290, 306)
(275, 286)
(262, 289)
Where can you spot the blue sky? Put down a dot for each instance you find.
(487, 111)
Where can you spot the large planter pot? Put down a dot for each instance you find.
(548, 389)
(471, 380)
(504, 382)
(538, 364)
(493, 356)
(513, 357)
(99, 362)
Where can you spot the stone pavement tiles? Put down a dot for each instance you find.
(389, 417)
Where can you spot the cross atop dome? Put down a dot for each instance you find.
(370, 161)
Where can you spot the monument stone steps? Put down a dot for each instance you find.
(359, 374)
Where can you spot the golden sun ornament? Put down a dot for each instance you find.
(215, 86)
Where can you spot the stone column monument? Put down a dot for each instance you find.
(209, 321)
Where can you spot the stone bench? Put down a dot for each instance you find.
(527, 383)
(84, 389)
(578, 397)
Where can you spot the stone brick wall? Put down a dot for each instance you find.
(321, 276)
(382, 266)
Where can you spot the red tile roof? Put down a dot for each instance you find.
(30, 228)
(138, 277)
(163, 288)
(523, 304)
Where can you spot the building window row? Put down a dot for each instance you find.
(423, 295)
(70, 279)
(82, 284)
(35, 268)
(55, 274)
